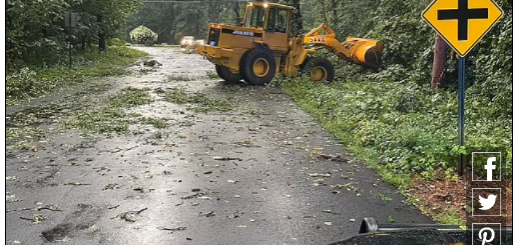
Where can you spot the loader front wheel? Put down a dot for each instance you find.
(228, 76)
(320, 70)
(258, 67)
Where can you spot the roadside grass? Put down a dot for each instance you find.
(212, 75)
(35, 122)
(23, 127)
(111, 118)
(197, 102)
(451, 217)
(158, 123)
(399, 129)
(35, 82)
(177, 78)
(383, 197)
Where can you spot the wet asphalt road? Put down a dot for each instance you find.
(275, 189)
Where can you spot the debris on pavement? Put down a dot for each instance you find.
(10, 198)
(151, 63)
(231, 168)
(11, 178)
(76, 184)
(53, 208)
(196, 195)
(330, 212)
(227, 159)
(130, 215)
(333, 158)
(326, 175)
(111, 187)
(36, 219)
(182, 228)
(209, 214)
(114, 207)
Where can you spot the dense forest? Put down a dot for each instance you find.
(401, 120)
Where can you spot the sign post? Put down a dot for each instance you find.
(462, 24)
(70, 22)
(462, 106)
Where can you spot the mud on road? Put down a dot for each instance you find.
(196, 161)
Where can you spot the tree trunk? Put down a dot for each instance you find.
(335, 18)
(101, 35)
(323, 12)
(439, 63)
(102, 42)
(237, 12)
(83, 43)
(297, 17)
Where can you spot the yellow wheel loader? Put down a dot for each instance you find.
(262, 47)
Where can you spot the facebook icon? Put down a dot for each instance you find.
(487, 164)
(490, 167)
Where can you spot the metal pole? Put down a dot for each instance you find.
(70, 40)
(462, 98)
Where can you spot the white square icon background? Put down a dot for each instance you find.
(492, 205)
(490, 232)
(492, 166)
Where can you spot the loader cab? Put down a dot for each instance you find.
(274, 20)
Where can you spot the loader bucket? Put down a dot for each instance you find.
(366, 52)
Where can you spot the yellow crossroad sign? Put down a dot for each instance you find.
(463, 23)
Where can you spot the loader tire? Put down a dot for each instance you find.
(226, 74)
(319, 70)
(258, 66)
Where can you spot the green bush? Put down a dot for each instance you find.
(392, 115)
(404, 127)
(21, 84)
(116, 42)
(143, 35)
(29, 83)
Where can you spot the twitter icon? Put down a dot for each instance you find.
(487, 203)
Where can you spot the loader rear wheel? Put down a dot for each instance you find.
(258, 66)
(320, 70)
(228, 76)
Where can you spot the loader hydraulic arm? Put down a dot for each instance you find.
(362, 51)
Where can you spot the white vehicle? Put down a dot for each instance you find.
(198, 42)
(187, 41)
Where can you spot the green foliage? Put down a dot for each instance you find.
(116, 42)
(36, 36)
(404, 127)
(34, 31)
(29, 83)
(112, 117)
(143, 35)
(198, 102)
(392, 116)
(156, 122)
(451, 217)
(212, 75)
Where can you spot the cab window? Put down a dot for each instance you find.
(277, 20)
(255, 17)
